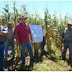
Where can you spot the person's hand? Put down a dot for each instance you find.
(14, 40)
(4, 33)
(17, 41)
(31, 41)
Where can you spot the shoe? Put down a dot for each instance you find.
(31, 61)
(45, 52)
(69, 61)
(41, 55)
(22, 67)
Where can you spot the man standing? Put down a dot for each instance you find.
(9, 41)
(2, 39)
(67, 40)
(22, 32)
(44, 39)
(43, 42)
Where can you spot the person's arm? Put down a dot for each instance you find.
(45, 33)
(30, 36)
(62, 37)
(46, 37)
(16, 35)
(3, 32)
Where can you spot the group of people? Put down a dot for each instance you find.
(6, 41)
(21, 33)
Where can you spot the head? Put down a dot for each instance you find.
(69, 26)
(22, 20)
(9, 25)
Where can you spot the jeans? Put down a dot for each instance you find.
(1, 55)
(29, 47)
(7, 45)
(66, 45)
(43, 44)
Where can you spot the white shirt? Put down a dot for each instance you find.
(44, 32)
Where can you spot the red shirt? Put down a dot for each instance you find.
(22, 31)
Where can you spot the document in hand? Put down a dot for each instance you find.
(36, 32)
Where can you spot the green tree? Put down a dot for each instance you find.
(47, 18)
(7, 13)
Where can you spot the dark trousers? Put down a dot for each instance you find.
(9, 43)
(1, 55)
(43, 44)
(29, 47)
(67, 44)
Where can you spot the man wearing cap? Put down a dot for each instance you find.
(22, 32)
(9, 40)
(67, 40)
(2, 40)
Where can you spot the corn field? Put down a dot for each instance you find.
(54, 27)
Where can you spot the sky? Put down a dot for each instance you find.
(55, 7)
